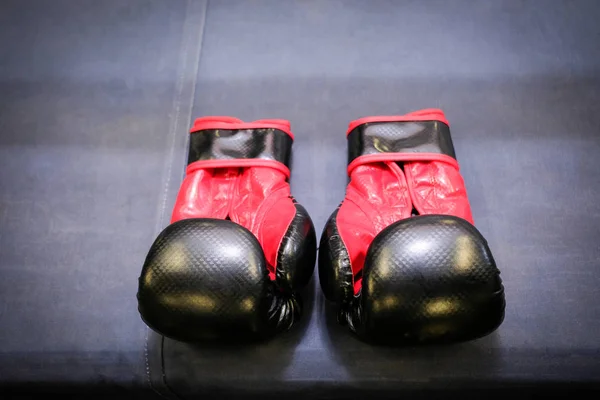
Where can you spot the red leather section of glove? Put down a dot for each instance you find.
(437, 188)
(376, 197)
(262, 203)
(205, 193)
(382, 192)
(257, 197)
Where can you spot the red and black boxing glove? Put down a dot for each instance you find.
(400, 257)
(239, 247)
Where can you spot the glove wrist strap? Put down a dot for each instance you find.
(418, 137)
(220, 143)
(384, 137)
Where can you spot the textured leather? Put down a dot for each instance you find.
(297, 252)
(257, 199)
(336, 275)
(400, 137)
(205, 278)
(226, 144)
(381, 197)
(429, 277)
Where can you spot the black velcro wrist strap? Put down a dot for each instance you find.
(231, 144)
(400, 137)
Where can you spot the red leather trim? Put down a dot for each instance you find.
(220, 122)
(217, 119)
(383, 157)
(428, 114)
(251, 162)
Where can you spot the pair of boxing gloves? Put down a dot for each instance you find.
(399, 258)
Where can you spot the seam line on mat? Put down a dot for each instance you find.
(188, 37)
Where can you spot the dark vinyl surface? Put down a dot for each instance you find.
(95, 104)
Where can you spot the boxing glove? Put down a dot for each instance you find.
(400, 256)
(239, 247)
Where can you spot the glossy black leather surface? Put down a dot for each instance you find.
(400, 137)
(428, 279)
(297, 253)
(224, 144)
(335, 272)
(205, 279)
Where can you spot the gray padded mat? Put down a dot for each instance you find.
(95, 98)
(92, 149)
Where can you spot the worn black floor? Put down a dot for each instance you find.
(95, 102)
